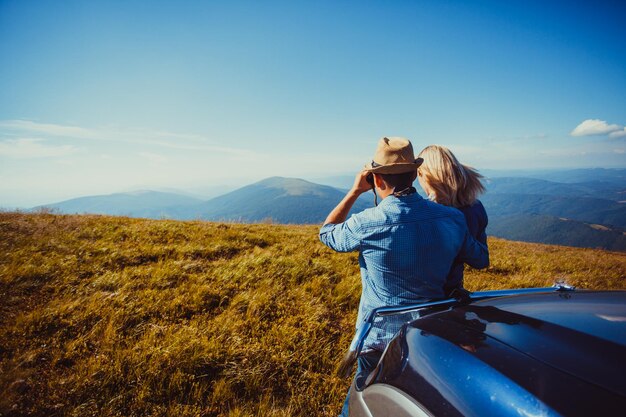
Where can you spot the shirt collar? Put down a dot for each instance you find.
(391, 199)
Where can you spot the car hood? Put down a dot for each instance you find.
(579, 333)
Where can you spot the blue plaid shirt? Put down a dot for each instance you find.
(407, 246)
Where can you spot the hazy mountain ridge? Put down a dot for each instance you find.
(557, 231)
(519, 208)
(281, 200)
(580, 208)
(565, 176)
(585, 209)
(606, 190)
(145, 203)
(275, 199)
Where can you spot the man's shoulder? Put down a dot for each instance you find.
(368, 215)
(389, 213)
(439, 210)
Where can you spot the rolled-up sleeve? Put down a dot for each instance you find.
(342, 237)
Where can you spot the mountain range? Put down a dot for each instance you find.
(145, 203)
(275, 199)
(588, 213)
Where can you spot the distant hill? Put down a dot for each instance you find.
(586, 210)
(582, 207)
(281, 200)
(610, 175)
(153, 204)
(615, 175)
(590, 210)
(555, 230)
(520, 185)
(276, 199)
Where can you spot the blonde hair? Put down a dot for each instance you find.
(453, 183)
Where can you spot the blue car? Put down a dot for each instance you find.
(531, 352)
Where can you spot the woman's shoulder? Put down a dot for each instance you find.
(476, 206)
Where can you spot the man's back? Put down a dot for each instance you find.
(406, 248)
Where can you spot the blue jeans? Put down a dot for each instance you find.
(365, 363)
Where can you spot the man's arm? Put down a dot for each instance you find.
(474, 253)
(337, 233)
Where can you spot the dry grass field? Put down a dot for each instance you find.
(109, 316)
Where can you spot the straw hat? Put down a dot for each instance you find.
(394, 155)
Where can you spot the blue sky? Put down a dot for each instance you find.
(105, 96)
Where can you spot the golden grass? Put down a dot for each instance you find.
(109, 316)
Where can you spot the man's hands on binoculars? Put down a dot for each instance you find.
(361, 184)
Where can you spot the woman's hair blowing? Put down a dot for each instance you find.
(453, 183)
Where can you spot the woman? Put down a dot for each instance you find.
(446, 181)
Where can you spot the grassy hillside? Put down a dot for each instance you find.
(116, 316)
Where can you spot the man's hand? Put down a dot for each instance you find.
(361, 185)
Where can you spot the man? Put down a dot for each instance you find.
(406, 244)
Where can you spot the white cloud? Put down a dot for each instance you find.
(619, 151)
(46, 129)
(153, 157)
(618, 134)
(24, 148)
(163, 139)
(592, 127)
